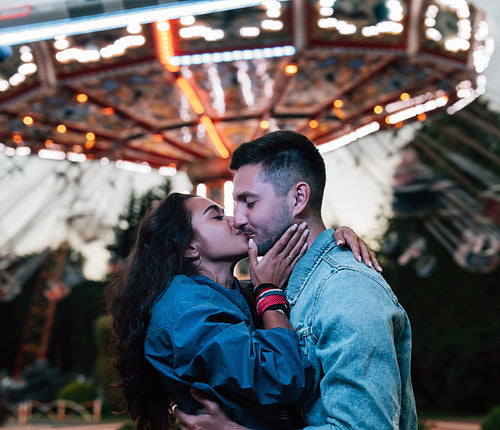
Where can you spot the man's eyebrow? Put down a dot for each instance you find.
(244, 195)
(215, 207)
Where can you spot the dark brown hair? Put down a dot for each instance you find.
(286, 157)
(158, 255)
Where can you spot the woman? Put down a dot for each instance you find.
(180, 320)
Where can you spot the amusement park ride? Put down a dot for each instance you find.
(176, 92)
(179, 85)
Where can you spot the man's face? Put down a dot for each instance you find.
(260, 213)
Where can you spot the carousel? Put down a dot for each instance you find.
(164, 88)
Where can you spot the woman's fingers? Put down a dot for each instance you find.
(213, 417)
(277, 264)
(365, 254)
(369, 256)
(344, 235)
(210, 405)
(289, 239)
(283, 241)
(295, 246)
(302, 251)
(374, 261)
(252, 252)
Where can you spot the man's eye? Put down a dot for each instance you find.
(219, 217)
(250, 204)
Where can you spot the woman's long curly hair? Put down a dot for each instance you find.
(158, 255)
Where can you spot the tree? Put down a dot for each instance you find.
(126, 232)
(440, 255)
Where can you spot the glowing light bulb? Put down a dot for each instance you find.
(291, 69)
(338, 103)
(27, 120)
(82, 98)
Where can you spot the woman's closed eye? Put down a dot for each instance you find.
(218, 214)
(214, 212)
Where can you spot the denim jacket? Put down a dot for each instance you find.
(202, 335)
(358, 339)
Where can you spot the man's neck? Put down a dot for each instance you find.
(315, 227)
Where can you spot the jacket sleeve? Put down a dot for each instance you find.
(355, 325)
(215, 346)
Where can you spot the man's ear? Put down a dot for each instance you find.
(192, 251)
(301, 194)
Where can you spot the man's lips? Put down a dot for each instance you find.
(242, 233)
(248, 235)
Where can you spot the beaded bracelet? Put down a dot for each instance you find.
(270, 297)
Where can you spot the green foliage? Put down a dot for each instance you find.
(453, 312)
(492, 420)
(423, 425)
(126, 233)
(4, 410)
(41, 383)
(106, 375)
(73, 348)
(69, 348)
(128, 426)
(13, 315)
(455, 326)
(77, 391)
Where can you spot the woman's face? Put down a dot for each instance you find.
(216, 238)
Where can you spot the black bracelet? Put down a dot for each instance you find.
(270, 297)
(258, 289)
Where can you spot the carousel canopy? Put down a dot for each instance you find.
(162, 84)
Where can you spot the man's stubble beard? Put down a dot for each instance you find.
(279, 225)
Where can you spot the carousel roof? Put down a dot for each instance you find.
(178, 85)
(190, 83)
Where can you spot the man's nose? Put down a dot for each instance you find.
(239, 218)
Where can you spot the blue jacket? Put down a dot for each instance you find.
(358, 339)
(202, 335)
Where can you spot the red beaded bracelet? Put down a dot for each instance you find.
(270, 297)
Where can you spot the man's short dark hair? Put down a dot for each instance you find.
(286, 157)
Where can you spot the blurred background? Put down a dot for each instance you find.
(108, 105)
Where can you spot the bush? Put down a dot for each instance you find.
(423, 425)
(78, 392)
(4, 410)
(449, 341)
(106, 375)
(128, 426)
(492, 420)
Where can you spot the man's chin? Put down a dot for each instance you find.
(264, 247)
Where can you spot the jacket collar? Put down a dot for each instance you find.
(307, 264)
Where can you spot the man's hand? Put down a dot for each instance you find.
(214, 419)
(344, 235)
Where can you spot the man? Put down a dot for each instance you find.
(350, 324)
